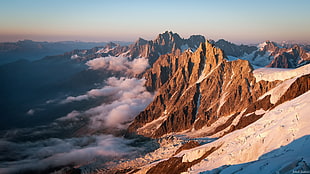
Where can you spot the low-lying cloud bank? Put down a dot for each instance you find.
(54, 152)
(128, 98)
(119, 64)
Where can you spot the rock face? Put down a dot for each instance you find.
(195, 90)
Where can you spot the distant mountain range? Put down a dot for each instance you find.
(33, 50)
(267, 54)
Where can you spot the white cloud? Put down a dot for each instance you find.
(119, 64)
(30, 112)
(129, 98)
(71, 116)
(55, 152)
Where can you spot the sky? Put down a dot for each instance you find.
(240, 21)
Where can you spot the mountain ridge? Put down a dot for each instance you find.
(189, 92)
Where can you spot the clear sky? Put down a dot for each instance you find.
(241, 21)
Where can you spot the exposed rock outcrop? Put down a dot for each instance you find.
(186, 146)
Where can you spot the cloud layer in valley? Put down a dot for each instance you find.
(53, 152)
(128, 98)
(119, 64)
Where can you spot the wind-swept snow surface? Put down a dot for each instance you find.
(292, 158)
(285, 125)
(272, 74)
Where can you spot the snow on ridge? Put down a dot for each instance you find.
(278, 127)
(198, 104)
(232, 58)
(261, 45)
(75, 56)
(272, 74)
(204, 75)
(278, 91)
(104, 50)
(152, 126)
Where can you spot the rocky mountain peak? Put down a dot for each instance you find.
(234, 50)
(111, 45)
(269, 46)
(165, 43)
(141, 41)
(194, 38)
(167, 38)
(194, 64)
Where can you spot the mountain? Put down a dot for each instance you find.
(202, 95)
(202, 89)
(167, 42)
(197, 89)
(234, 50)
(290, 58)
(267, 54)
(277, 143)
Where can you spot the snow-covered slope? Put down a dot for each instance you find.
(272, 74)
(292, 158)
(285, 125)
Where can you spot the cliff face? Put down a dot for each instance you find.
(196, 89)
